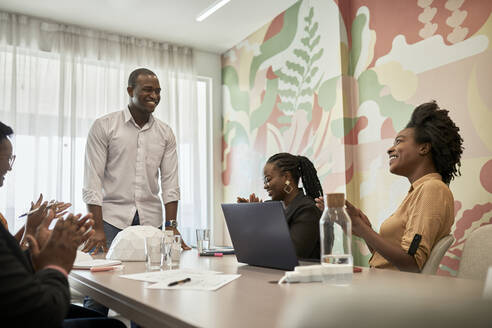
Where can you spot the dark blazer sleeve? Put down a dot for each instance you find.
(30, 299)
(304, 231)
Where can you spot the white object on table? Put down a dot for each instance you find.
(487, 289)
(129, 244)
(200, 279)
(207, 282)
(159, 276)
(85, 261)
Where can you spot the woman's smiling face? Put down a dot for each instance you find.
(274, 181)
(404, 154)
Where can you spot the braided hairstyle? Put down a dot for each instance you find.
(433, 125)
(299, 167)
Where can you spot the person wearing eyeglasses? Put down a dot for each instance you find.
(7, 162)
(34, 290)
(282, 173)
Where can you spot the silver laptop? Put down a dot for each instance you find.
(260, 234)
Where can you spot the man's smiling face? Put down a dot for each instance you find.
(146, 93)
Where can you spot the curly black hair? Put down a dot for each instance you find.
(433, 125)
(5, 131)
(299, 167)
(132, 79)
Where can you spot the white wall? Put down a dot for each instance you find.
(209, 65)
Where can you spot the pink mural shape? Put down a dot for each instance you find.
(352, 138)
(392, 18)
(275, 27)
(387, 129)
(486, 176)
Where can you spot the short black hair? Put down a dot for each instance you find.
(433, 125)
(5, 131)
(132, 79)
(299, 167)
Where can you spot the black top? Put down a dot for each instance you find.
(28, 298)
(303, 219)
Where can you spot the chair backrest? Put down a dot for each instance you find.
(436, 255)
(477, 254)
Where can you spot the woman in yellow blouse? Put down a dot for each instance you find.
(428, 153)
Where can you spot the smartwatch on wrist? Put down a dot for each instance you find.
(171, 223)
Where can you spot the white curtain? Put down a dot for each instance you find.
(56, 79)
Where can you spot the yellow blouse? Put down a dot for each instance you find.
(428, 210)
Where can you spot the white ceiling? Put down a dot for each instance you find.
(163, 20)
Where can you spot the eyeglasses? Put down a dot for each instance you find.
(11, 159)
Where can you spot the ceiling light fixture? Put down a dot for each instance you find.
(211, 9)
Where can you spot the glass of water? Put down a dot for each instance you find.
(167, 243)
(153, 247)
(202, 239)
(176, 250)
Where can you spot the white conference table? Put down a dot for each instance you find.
(252, 300)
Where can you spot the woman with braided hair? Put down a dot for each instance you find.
(427, 152)
(282, 173)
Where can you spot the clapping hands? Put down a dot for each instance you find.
(35, 219)
(252, 199)
(59, 247)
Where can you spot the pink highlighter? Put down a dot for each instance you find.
(211, 254)
(102, 268)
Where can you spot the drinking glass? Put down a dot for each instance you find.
(202, 239)
(176, 250)
(153, 248)
(167, 242)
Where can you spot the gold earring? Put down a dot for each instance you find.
(288, 188)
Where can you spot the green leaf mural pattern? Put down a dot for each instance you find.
(299, 75)
(277, 43)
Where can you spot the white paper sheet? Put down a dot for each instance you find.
(165, 275)
(209, 282)
(200, 279)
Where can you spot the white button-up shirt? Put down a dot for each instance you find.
(122, 166)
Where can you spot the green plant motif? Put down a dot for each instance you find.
(298, 76)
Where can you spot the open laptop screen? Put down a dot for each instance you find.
(260, 234)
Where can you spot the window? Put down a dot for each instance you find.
(51, 103)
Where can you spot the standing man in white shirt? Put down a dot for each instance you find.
(125, 152)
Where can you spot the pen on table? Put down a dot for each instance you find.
(211, 254)
(34, 210)
(174, 283)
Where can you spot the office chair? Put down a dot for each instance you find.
(436, 255)
(477, 254)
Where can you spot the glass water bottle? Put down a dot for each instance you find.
(336, 241)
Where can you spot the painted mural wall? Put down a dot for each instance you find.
(336, 80)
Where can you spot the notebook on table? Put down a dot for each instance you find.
(84, 261)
